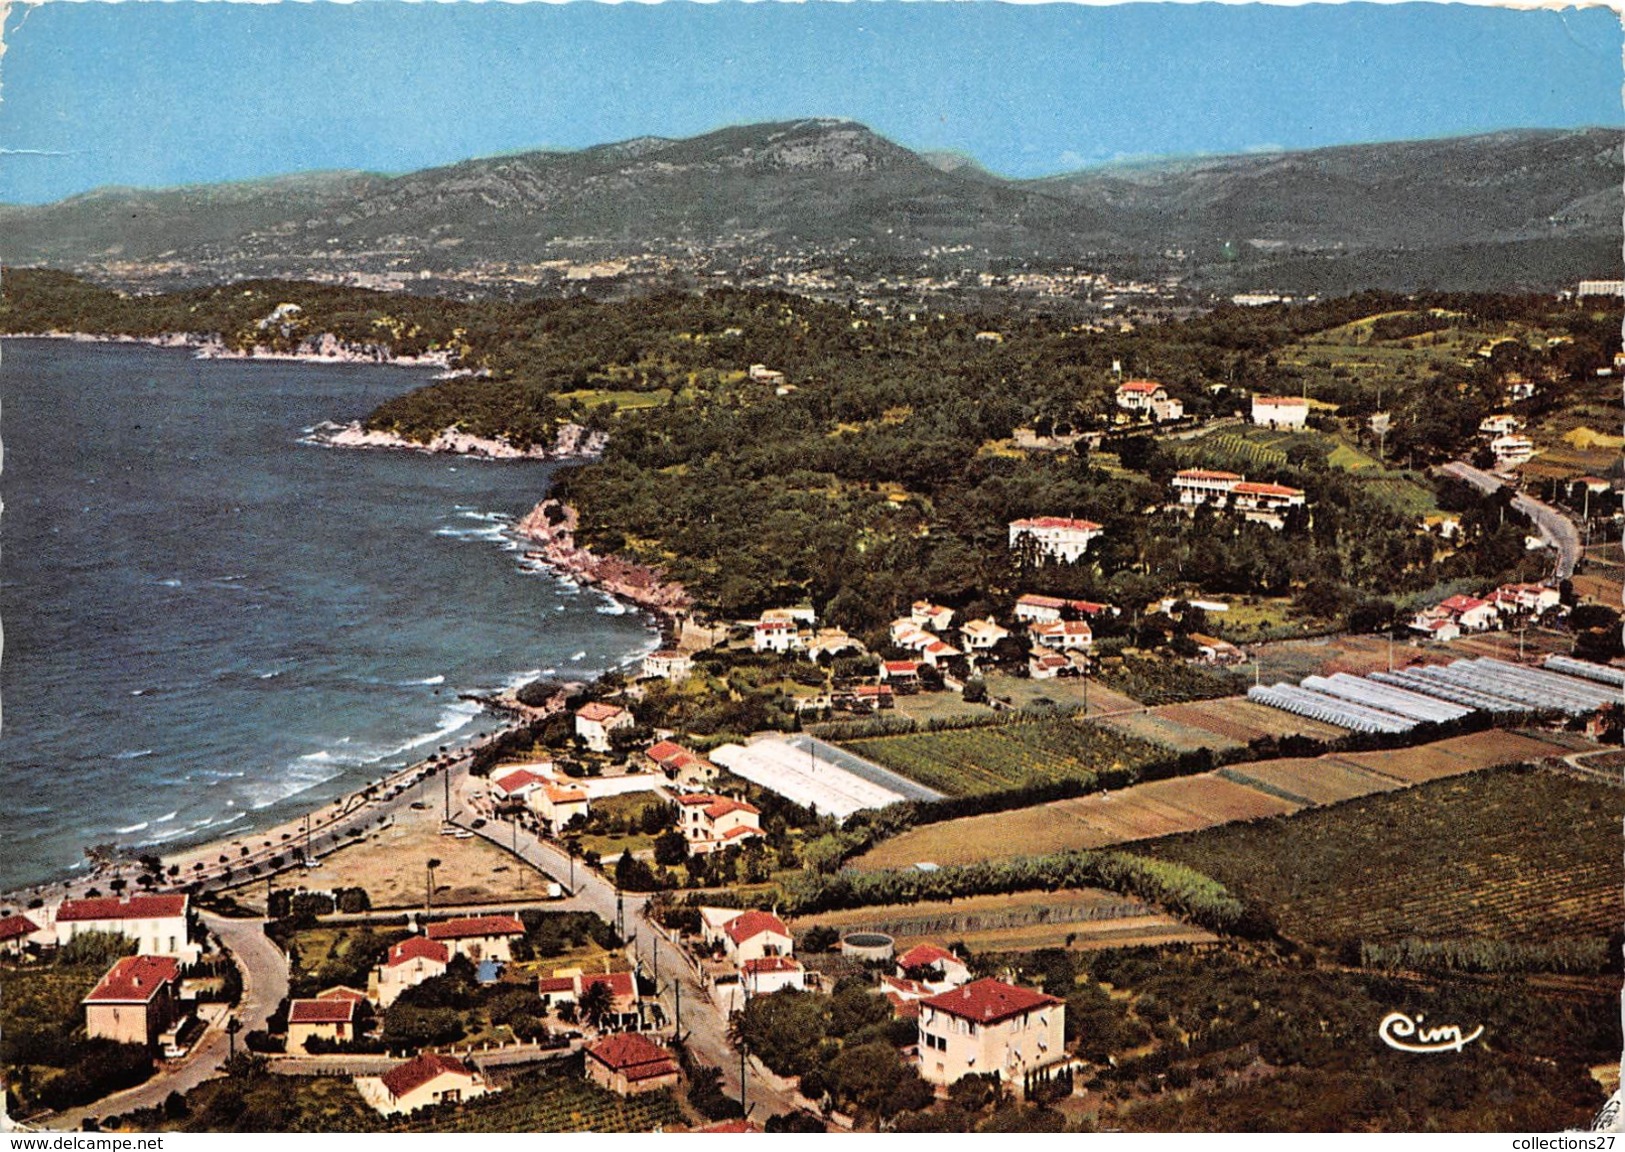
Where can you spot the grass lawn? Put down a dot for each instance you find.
(948, 705)
(595, 397)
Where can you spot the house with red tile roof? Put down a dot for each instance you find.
(936, 968)
(569, 985)
(769, 974)
(157, 924)
(477, 937)
(668, 665)
(745, 935)
(422, 1082)
(1063, 635)
(595, 722)
(408, 964)
(731, 1126)
(1139, 395)
(1054, 537)
(334, 1019)
(14, 934)
(991, 1027)
(137, 999)
(710, 823)
(629, 1064)
(681, 764)
(1032, 608)
(1470, 613)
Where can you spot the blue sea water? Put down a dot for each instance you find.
(208, 624)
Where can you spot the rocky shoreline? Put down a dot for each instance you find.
(551, 525)
(572, 442)
(325, 349)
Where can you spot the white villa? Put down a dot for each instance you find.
(1056, 537)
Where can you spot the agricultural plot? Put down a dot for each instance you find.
(1451, 757)
(1523, 856)
(1240, 719)
(1083, 918)
(1159, 681)
(1162, 729)
(557, 1100)
(1099, 820)
(1324, 780)
(969, 761)
(1025, 693)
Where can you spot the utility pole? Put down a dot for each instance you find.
(1390, 648)
(744, 1054)
(445, 776)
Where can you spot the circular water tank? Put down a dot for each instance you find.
(867, 946)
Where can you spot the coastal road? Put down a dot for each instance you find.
(704, 1024)
(265, 983)
(1554, 527)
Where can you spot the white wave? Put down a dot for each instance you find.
(613, 608)
(133, 754)
(169, 583)
(578, 656)
(431, 680)
(452, 718)
(164, 837)
(167, 817)
(132, 828)
(519, 679)
(272, 675)
(139, 692)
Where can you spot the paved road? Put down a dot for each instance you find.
(265, 983)
(1554, 527)
(704, 1024)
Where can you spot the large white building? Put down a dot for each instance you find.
(989, 1026)
(1257, 501)
(595, 721)
(1280, 411)
(709, 823)
(157, 924)
(1056, 537)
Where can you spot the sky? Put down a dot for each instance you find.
(158, 94)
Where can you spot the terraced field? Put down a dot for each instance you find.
(1524, 856)
(968, 761)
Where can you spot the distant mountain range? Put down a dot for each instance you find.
(1512, 209)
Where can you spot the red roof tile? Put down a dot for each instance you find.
(341, 993)
(555, 984)
(321, 1012)
(135, 980)
(773, 964)
(1139, 386)
(522, 778)
(1255, 488)
(732, 1126)
(633, 1055)
(751, 924)
(1206, 474)
(112, 908)
(15, 927)
(599, 712)
(415, 1073)
(1056, 522)
(417, 948)
(988, 1001)
(622, 985)
(926, 956)
(476, 926)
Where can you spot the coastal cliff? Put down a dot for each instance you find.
(573, 442)
(551, 526)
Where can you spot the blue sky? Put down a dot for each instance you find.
(168, 93)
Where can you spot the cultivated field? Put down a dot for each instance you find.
(1324, 780)
(1523, 856)
(1451, 757)
(1024, 693)
(1189, 803)
(1162, 729)
(968, 761)
(1239, 719)
(1082, 918)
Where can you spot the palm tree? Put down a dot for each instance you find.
(596, 1002)
(428, 895)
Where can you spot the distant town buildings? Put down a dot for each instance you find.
(1600, 288)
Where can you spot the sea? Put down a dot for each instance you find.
(210, 624)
